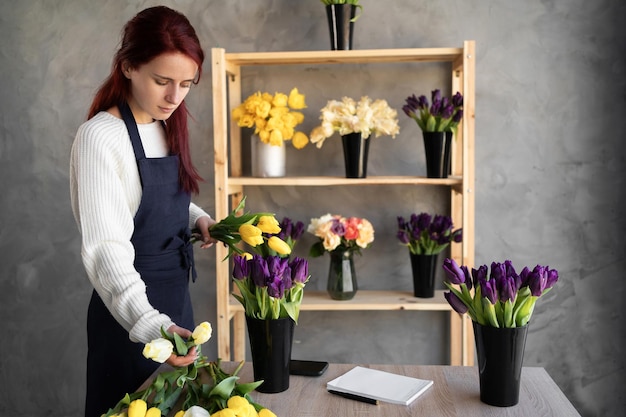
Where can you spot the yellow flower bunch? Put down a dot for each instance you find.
(253, 229)
(273, 117)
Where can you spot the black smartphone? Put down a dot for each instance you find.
(307, 368)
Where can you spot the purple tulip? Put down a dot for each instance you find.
(537, 280)
(286, 227)
(401, 223)
(299, 269)
(435, 108)
(498, 270)
(454, 272)
(422, 103)
(259, 271)
(422, 220)
(506, 288)
(436, 95)
(298, 230)
(480, 273)
(468, 278)
(240, 267)
(447, 111)
(457, 100)
(455, 302)
(403, 237)
(553, 277)
(408, 110)
(457, 116)
(276, 287)
(489, 290)
(457, 236)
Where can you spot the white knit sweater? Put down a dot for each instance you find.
(105, 196)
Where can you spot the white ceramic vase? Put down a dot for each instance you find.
(267, 160)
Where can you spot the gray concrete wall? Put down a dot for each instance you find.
(549, 176)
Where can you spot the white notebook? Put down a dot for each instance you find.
(380, 385)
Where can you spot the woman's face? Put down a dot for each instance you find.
(158, 87)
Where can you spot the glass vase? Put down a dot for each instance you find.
(342, 283)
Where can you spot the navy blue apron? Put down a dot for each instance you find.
(164, 259)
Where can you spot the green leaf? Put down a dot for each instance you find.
(317, 249)
(224, 388)
(244, 389)
(181, 345)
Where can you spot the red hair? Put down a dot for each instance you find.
(152, 32)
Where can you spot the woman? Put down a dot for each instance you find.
(131, 180)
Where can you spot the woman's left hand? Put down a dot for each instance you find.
(203, 224)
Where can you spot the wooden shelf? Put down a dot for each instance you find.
(230, 184)
(367, 300)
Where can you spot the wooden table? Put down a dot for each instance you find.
(455, 392)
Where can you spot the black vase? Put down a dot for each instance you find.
(270, 346)
(500, 353)
(437, 149)
(340, 25)
(355, 151)
(423, 268)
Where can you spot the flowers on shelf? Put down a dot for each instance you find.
(427, 235)
(500, 297)
(200, 398)
(273, 117)
(336, 232)
(348, 116)
(442, 115)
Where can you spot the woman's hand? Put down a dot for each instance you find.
(190, 357)
(203, 224)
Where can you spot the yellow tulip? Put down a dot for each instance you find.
(279, 245)
(280, 100)
(266, 412)
(179, 413)
(225, 413)
(202, 333)
(268, 224)
(299, 140)
(137, 408)
(296, 100)
(276, 138)
(298, 117)
(239, 405)
(250, 234)
(153, 412)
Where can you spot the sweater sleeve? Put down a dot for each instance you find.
(195, 213)
(106, 193)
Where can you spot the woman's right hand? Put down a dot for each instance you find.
(190, 357)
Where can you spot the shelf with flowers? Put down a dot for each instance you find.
(228, 69)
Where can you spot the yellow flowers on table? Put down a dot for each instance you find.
(139, 408)
(273, 117)
(240, 407)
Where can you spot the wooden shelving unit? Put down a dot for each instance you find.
(229, 185)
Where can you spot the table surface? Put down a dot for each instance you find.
(455, 392)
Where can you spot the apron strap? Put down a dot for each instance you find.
(133, 131)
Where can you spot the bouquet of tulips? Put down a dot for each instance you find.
(442, 115)
(163, 393)
(500, 297)
(258, 230)
(427, 235)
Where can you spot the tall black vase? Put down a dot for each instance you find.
(340, 25)
(355, 154)
(270, 346)
(500, 353)
(437, 149)
(423, 268)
